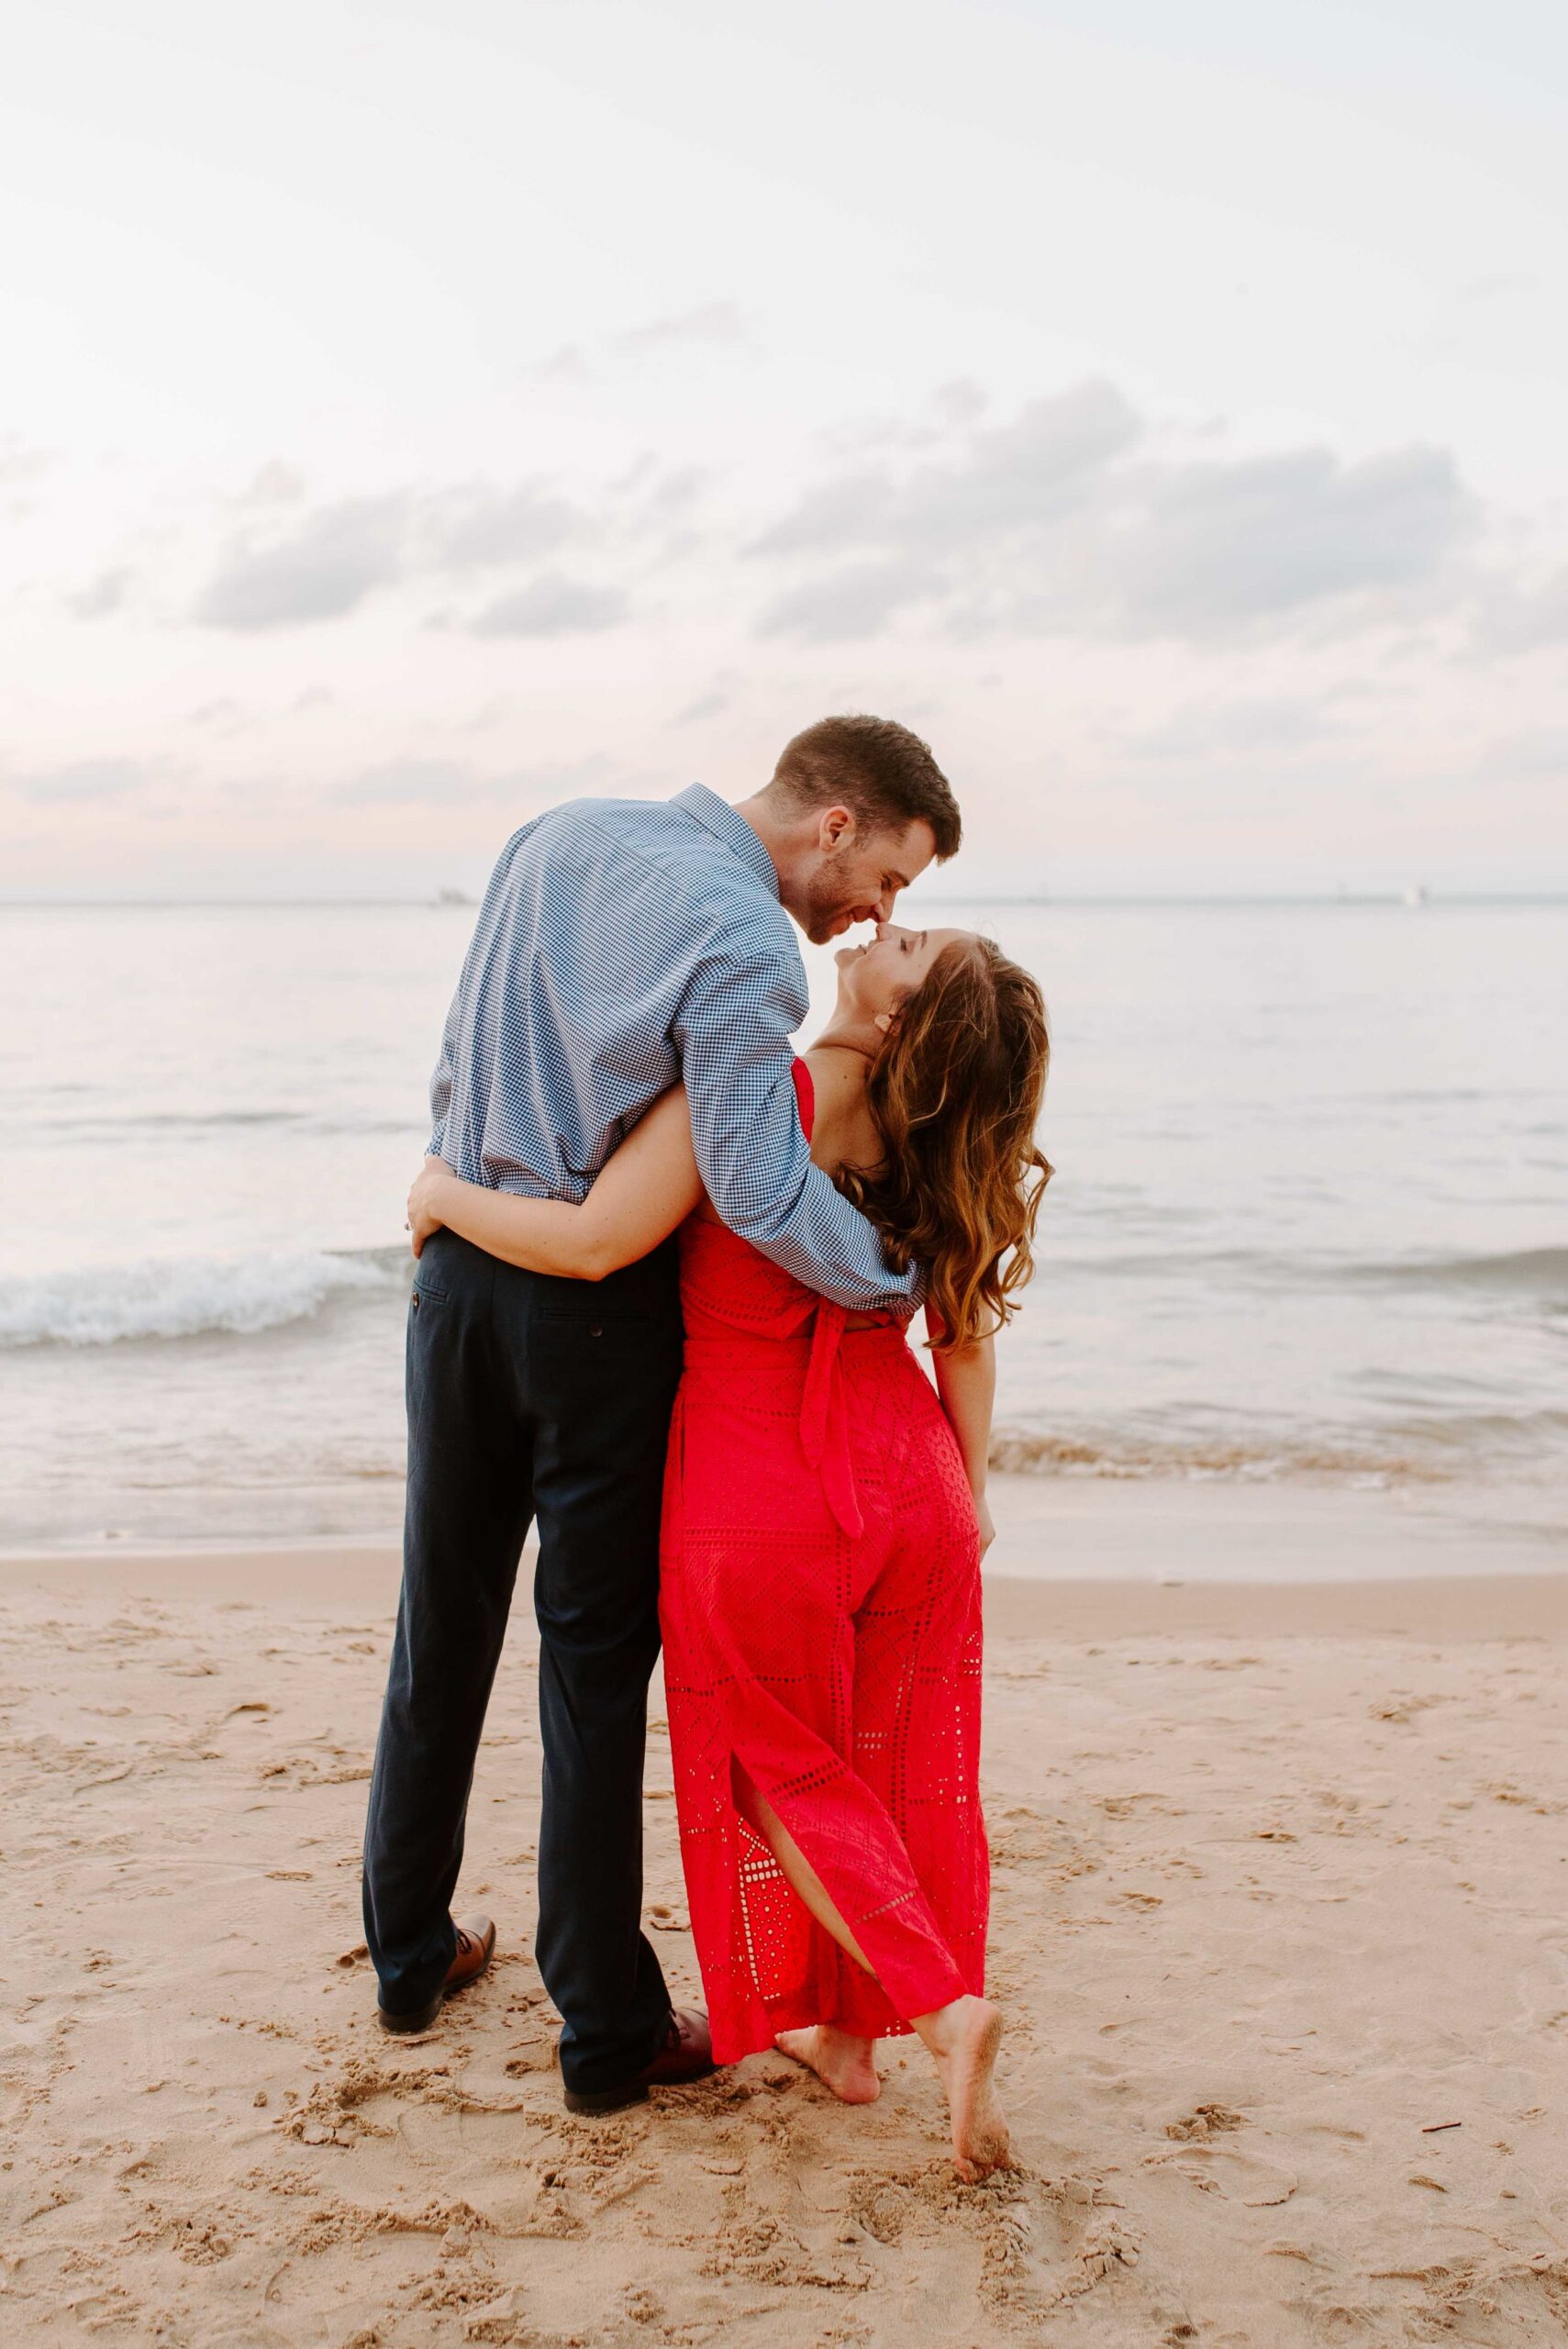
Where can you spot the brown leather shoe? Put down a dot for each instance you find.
(475, 1948)
(685, 2056)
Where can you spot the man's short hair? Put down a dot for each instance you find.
(883, 773)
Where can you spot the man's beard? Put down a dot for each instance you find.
(823, 911)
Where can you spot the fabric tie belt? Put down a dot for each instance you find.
(825, 1418)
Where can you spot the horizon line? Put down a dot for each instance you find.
(1427, 898)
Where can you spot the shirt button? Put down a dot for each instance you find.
(595, 1331)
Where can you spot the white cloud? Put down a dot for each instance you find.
(224, 716)
(327, 563)
(711, 322)
(422, 783)
(21, 462)
(554, 605)
(80, 780)
(273, 484)
(1066, 521)
(713, 326)
(102, 595)
(1011, 478)
(474, 529)
(453, 783)
(707, 705)
(1274, 723)
(1512, 619)
(1540, 756)
(320, 570)
(1213, 547)
(856, 600)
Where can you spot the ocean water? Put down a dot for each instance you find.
(1309, 1220)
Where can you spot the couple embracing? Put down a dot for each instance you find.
(666, 1273)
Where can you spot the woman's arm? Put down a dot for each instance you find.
(649, 1186)
(966, 1381)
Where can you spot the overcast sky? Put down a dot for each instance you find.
(413, 414)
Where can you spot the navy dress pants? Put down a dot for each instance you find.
(531, 1396)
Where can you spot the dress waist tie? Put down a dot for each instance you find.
(825, 1421)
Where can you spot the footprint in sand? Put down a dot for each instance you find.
(1204, 2121)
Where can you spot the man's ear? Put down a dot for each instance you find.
(836, 829)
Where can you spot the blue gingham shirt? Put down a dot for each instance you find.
(623, 944)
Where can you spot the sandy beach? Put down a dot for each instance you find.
(1281, 1924)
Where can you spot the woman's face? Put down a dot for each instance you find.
(875, 979)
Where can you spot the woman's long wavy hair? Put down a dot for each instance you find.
(956, 1093)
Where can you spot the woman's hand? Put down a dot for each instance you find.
(424, 1202)
(987, 1522)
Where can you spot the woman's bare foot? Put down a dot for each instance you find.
(840, 2061)
(964, 2038)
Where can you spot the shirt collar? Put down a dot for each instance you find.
(716, 816)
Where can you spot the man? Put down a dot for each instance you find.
(621, 945)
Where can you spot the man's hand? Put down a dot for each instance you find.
(424, 1202)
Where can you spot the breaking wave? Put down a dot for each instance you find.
(1031, 1452)
(1537, 1275)
(185, 1297)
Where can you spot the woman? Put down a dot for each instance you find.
(825, 1517)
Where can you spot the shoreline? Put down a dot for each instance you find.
(1070, 1555)
(308, 1584)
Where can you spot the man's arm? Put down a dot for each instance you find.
(733, 1031)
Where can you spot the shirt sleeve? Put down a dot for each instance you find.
(733, 1030)
(445, 1071)
(441, 1082)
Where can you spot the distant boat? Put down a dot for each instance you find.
(1416, 896)
(454, 897)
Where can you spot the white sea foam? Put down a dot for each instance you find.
(181, 1297)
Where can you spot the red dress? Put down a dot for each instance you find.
(820, 1607)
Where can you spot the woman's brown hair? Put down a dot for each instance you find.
(956, 1092)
